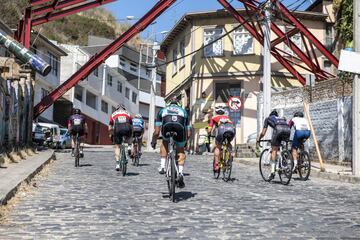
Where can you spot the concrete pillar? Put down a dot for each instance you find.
(341, 126)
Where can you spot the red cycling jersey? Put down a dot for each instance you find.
(219, 119)
(120, 116)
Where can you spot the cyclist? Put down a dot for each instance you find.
(301, 134)
(223, 128)
(172, 118)
(138, 125)
(76, 125)
(281, 132)
(120, 126)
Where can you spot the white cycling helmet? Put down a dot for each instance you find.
(220, 110)
(138, 116)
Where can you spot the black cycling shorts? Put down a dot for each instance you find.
(122, 130)
(281, 133)
(225, 131)
(137, 131)
(78, 129)
(174, 124)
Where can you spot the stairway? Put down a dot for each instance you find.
(246, 151)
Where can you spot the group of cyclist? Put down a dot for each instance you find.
(174, 118)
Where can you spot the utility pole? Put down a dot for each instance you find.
(139, 70)
(151, 124)
(356, 96)
(267, 63)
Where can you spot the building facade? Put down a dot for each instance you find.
(230, 66)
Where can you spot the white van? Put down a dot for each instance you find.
(52, 133)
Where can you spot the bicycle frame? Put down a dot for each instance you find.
(172, 156)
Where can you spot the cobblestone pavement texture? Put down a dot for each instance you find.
(96, 202)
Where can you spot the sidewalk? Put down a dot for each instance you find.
(332, 172)
(17, 173)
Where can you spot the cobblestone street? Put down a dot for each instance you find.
(96, 202)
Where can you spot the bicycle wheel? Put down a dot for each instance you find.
(216, 172)
(265, 165)
(173, 179)
(227, 166)
(123, 162)
(77, 152)
(304, 165)
(286, 167)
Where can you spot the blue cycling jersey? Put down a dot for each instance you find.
(137, 122)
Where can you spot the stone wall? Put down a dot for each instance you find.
(330, 105)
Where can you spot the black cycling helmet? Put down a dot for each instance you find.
(76, 111)
(274, 113)
(220, 110)
(175, 101)
(299, 114)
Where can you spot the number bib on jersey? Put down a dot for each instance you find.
(77, 121)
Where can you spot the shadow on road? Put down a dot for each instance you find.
(143, 164)
(130, 174)
(182, 196)
(86, 165)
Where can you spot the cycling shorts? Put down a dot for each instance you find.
(174, 124)
(281, 133)
(137, 131)
(300, 136)
(225, 131)
(122, 130)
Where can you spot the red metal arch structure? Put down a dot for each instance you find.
(43, 11)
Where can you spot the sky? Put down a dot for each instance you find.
(137, 8)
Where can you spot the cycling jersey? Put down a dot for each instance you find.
(76, 124)
(218, 120)
(173, 119)
(120, 117)
(138, 123)
(281, 129)
(299, 123)
(274, 121)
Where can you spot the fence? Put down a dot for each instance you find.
(330, 104)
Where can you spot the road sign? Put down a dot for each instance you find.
(235, 103)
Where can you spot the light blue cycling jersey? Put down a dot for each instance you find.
(138, 122)
(172, 110)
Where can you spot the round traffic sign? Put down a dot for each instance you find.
(235, 103)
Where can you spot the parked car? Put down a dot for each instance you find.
(38, 136)
(65, 139)
(52, 134)
(252, 138)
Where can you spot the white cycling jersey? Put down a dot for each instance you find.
(300, 123)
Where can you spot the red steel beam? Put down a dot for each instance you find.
(100, 57)
(260, 39)
(34, 3)
(307, 33)
(60, 5)
(288, 34)
(67, 12)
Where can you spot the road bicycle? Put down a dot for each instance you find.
(303, 167)
(171, 167)
(136, 155)
(123, 161)
(283, 163)
(78, 151)
(225, 162)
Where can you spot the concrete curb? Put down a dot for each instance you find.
(314, 173)
(11, 191)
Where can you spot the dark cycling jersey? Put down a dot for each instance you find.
(273, 121)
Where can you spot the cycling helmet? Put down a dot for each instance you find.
(174, 101)
(220, 110)
(76, 111)
(274, 113)
(138, 116)
(121, 106)
(299, 114)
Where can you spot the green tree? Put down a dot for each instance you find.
(344, 21)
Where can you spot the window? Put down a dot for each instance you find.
(96, 72)
(215, 49)
(147, 72)
(91, 100)
(223, 91)
(53, 62)
(243, 42)
(133, 67)
(119, 86)
(327, 66)
(329, 38)
(104, 106)
(134, 97)
(79, 93)
(109, 79)
(175, 61)
(295, 39)
(182, 53)
(44, 93)
(127, 93)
